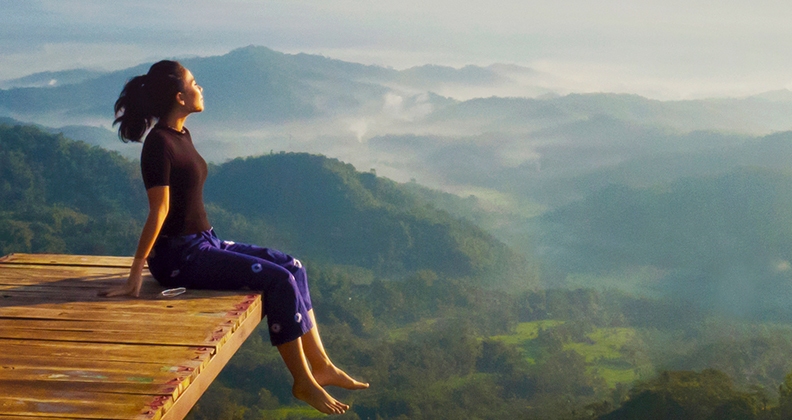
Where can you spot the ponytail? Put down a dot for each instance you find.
(130, 110)
(147, 98)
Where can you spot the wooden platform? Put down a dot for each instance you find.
(66, 353)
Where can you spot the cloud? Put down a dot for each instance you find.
(662, 49)
(359, 127)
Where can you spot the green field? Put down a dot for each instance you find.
(613, 353)
(404, 332)
(524, 334)
(301, 412)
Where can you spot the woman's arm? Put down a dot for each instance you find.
(159, 199)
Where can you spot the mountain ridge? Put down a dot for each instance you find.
(311, 205)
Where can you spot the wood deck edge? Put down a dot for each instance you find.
(185, 402)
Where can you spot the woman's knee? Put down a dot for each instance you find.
(276, 275)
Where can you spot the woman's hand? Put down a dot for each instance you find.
(130, 288)
(133, 284)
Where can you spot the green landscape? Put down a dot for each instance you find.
(442, 317)
(539, 210)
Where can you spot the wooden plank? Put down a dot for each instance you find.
(7, 417)
(13, 364)
(120, 352)
(80, 404)
(150, 381)
(188, 301)
(151, 389)
(40, 353)
(173, 338)
(166, 383)
(114, 324)
(18, 275)
(4, 417)
(40, 312)
(60, 259)
(225, 304)
(66, 268)
(67, 353)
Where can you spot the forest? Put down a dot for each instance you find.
(444, 319)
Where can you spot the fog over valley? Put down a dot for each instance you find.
(474, 230)
(518, 157)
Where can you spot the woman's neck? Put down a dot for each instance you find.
(175, 122)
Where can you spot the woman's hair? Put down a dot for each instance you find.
(148, 97)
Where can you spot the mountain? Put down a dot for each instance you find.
(60, 195)
(93, 135)
(335, 213)
(521, 156)
(553, 165)
(51, 78)
(255, 85)
(99, 136)
(9, 121)
(252, 84)
(429, 76)
(697, 154)
(69, 104)
(722, 241)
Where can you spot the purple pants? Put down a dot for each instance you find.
(202, 261)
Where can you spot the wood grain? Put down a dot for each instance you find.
(67, 353)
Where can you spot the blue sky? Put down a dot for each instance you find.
(668, 49)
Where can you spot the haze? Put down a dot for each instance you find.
(658, 49)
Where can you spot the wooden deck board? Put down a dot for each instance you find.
(103, 352)
(71, 260)
(67, 353)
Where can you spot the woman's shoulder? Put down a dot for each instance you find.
(156, 143)
(159, 136)
(158, 132)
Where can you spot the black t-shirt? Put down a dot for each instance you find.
(169, 158)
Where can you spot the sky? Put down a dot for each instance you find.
(662, 49)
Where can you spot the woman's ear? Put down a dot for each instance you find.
(180, 99)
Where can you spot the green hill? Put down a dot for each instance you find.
(723, 241)
(58, 195)
(438, 344)
(335, 213)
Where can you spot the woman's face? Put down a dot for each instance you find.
(192, 96)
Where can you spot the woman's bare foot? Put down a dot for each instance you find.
(331, 375)
(318, 398)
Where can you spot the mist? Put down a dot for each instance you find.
(662, 50)
(646, 235)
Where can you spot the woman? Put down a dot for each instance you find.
(182, 249)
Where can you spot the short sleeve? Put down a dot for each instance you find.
(155, 162)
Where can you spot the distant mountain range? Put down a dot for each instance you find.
(260, 100)
(549, 175)
(252, 84)
(518, 156)
(51, 79)
(256, 85)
